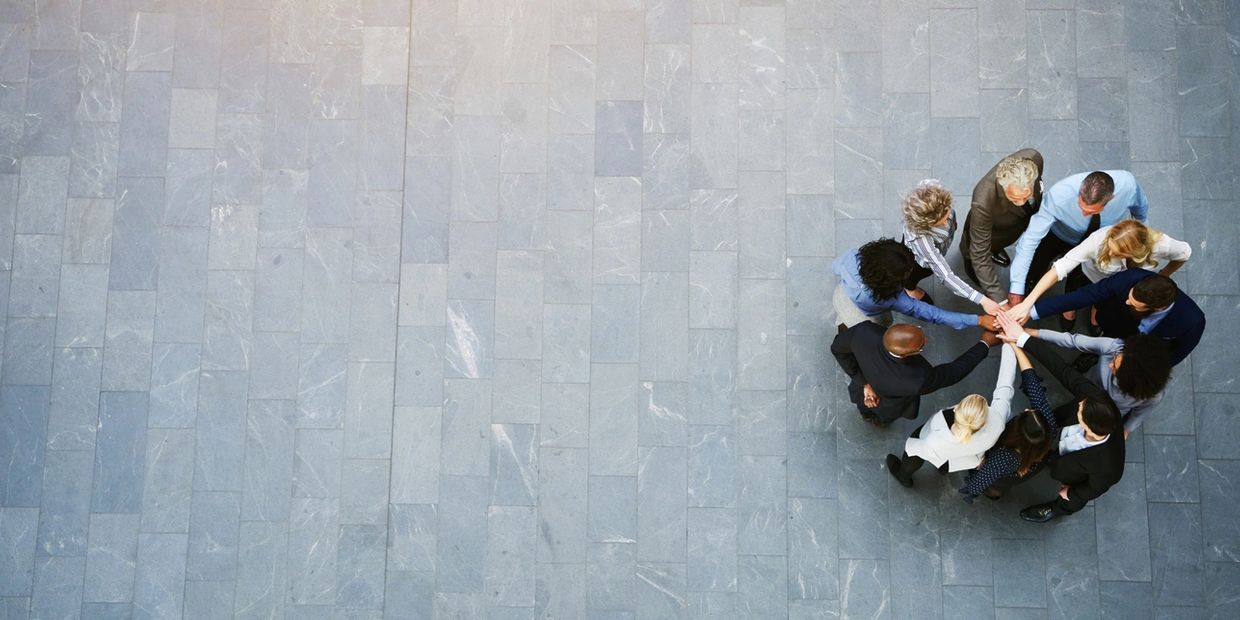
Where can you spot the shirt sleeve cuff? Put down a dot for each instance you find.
(1033, 314)
(1020, 342)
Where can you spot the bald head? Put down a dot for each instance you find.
(901, 340)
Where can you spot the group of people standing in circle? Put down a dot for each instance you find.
(1089, 231)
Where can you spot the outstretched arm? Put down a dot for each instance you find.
(952, 372)
(1039, 226)
(1099, 345)
(1090, 295)
(1022, 310)
(1001, 400)
(925, 249)
(933, 314)
(1073, 381)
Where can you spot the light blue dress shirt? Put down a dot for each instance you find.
(1150, 322)
(1060, 215)
(847, 268)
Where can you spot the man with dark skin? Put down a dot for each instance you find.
(888, 372)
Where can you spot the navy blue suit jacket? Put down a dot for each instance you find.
(1181, 328)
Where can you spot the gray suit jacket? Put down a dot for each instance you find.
(995, 223)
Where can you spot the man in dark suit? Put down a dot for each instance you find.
(1003, 202)
(888, 373)
(1087, 457)
(1136, 301)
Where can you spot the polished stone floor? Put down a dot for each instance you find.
(519, 308)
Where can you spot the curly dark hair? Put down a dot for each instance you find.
(884, 263)
(1145, 368)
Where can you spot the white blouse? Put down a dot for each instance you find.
(1166, 249)
(936, 443)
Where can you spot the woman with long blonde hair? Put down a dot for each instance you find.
(929, 228)
(955, 438)
(1107, 252)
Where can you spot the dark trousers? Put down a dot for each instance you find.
(910, 464)
(1049, 250)
(1063, 507)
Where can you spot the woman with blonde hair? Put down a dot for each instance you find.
(1023, 446)
(1107, 252)
(956, 438)
(929, 227)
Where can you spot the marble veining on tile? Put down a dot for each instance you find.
(464, 309)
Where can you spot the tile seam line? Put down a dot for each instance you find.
(404, 156)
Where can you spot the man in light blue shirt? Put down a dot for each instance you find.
(878, 288)
(1071, 210)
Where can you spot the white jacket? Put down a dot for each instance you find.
(936, 443)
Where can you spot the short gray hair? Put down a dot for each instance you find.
(1017, 171)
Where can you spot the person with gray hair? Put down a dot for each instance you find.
(929, 228)
(1004, 200)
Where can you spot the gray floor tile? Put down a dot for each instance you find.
(188, 181)
(159, 584)
(346, 273)
(18, 529)
(57, 587)
(111, 558)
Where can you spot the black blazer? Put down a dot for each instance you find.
(898, 382)
(1181, 328)
(1093, 470)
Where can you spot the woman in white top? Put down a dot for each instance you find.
(1109, 251)
(929, 227)
(957, 437)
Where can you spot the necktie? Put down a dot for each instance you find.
(1094, 223)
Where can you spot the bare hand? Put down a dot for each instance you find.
(990, 338)
(991, 306)
(871, 397)
(1063, 492)
(1021, 311)
(1012, 329)
(987, 322)
(1014, 299)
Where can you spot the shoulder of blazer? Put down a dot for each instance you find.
(867, 337)
(1186, 314)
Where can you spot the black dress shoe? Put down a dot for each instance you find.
(1040, 513)
(893, 468)
(1001, 258)
(1084, 362)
